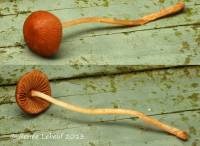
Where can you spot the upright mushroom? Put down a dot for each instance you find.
(33, 95)
(43, 30)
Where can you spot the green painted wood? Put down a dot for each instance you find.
(166, 40)
(162, 49)
(170, 95)
(129, 132)
(14, 7)
(10, 74)
(11, 26)
(162, 92)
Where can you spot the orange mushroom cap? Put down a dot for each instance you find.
(34, 80)
(43, 33)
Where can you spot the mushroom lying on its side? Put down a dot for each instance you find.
(33, 97)
(43, 30)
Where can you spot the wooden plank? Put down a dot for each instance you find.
(162, 47)
(155, 92)
(129, 132)
(89, 46)
(10, 74)
(11, 26)
(17, 7)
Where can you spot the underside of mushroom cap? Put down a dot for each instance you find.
(34, 80)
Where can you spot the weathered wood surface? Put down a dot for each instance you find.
(170, 95)
(90, 51)
(14, 7)
(10, 74)
(169, 41)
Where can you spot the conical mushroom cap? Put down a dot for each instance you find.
(34, 80)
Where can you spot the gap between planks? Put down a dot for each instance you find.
(99, 75)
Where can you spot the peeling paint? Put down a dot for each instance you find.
(194, 97)
(192, 130)
(112, 85)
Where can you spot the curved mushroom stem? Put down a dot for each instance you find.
(162, 13)
(107, 111)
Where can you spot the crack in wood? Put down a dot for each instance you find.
(150, 29)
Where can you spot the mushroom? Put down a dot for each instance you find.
(33, 95)
(43, 31)
(37, 81)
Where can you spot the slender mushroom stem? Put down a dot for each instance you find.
(179, 133)
(162, 13)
